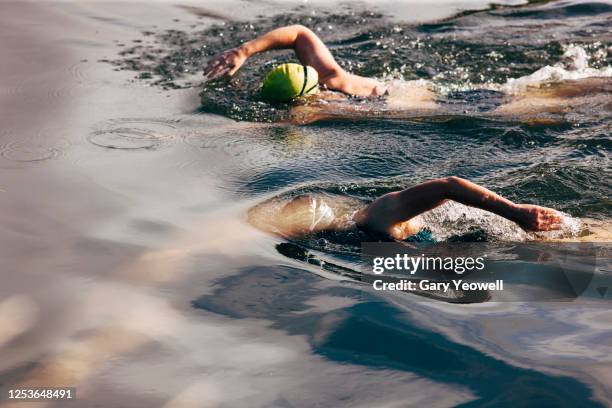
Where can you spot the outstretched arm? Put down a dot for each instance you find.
(392, 209)
(309, 49)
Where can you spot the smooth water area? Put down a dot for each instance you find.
(130, 269)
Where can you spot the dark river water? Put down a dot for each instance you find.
(138, 192)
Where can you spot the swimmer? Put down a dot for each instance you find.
(408, 100)
(395, 215)
(309, 49)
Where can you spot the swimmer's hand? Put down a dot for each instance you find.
(536, 218)
(225, 64)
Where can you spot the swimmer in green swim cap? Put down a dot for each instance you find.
(408, 101)
(289, 81)
(286, 82)
(396, 215)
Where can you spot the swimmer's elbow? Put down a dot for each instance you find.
(298, 33)
(300, 30)
(453, 180)
(452, 185)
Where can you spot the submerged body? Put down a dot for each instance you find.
(547, 103)
(396, 215)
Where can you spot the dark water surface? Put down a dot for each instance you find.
(131, 272)
(375, 334)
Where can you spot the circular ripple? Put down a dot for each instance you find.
(32, 150)
(123, 139)
(29, 153)
(78, 72)
(131, 134)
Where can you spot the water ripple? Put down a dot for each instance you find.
(135, 133)
(38, 148)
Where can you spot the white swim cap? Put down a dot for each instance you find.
(321, 213)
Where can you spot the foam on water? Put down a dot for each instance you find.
(574, 65)
(453, 219)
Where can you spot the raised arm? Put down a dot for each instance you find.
(390, 210)
(309, 49)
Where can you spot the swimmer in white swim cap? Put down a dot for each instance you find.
(396, 215)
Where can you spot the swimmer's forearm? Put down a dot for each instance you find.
(406, 204)
(229, 62)
(528, 217)
(468, 193)
(280, 38)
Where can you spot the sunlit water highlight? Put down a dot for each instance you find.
(130, 269)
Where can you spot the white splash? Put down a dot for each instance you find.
(456, 219)
(574, 65)
(415, 94)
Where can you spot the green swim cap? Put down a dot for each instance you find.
(288, 81)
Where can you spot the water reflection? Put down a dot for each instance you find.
(373, 334)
